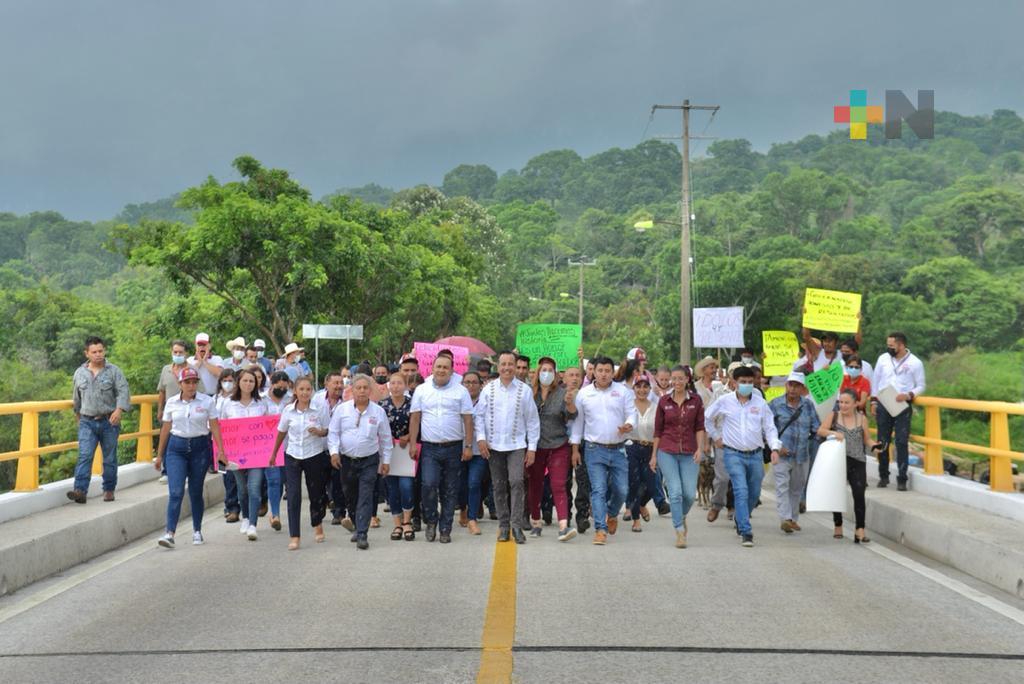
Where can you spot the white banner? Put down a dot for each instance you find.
(718, 327)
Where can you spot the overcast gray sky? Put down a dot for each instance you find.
(115, 101)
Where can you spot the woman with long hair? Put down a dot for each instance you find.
(246, 402)
(554, 455)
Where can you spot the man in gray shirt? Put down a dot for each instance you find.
(100, 396)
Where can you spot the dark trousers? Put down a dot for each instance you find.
(335, 492)
(359, 477)
(231, 504)
(887, 425)
(441, 468)
(857, 476)
(582, 500)
(316, 469)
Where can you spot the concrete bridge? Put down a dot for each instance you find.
(938, 596)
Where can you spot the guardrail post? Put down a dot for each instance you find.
(1000, 471)
(27, 479)
(144, 445)
(933, 430)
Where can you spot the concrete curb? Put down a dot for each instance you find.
(42, 547)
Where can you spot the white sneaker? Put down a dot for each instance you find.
(244, 529)
(163, 479)
(197, 538)
(166, 541)
(251, 532)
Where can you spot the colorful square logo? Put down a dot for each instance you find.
(858, 114)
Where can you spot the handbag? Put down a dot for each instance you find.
(767, 454)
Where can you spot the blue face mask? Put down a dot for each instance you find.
(178, 359)
(853, 372)
(745, 390)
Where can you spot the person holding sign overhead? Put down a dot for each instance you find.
(359, 441)
(747, 423)
(305, 428)
(188, 422)
(899, 378)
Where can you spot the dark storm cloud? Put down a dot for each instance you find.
(106, 103)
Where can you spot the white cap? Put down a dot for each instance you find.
(259, 344)
(202, 337)
(291, 348)
(635, 352)
(796, 377)
(237, 342)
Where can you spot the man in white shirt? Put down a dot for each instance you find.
(605, 414)
(207, 364)
(359, 441)
(746, 424)
(325, 401)
(441, 413)
(903, 371)
(507, 431)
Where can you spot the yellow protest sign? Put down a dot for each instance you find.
(780, 351)
(831, 310)
(773, 392)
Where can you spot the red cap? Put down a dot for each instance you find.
(188, 374)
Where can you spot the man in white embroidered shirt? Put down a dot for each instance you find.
(747, 423)
(359, 440)
(903, 371)
(442, 413)
(507, 430)
(606, 413)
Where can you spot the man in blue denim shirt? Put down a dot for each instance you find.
(100, 397)
(795, 456)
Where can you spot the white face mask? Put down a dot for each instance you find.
(238, 354)
(227, 386)
(346, 381)
(259, 353)
(546, 377)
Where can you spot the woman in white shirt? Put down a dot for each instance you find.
(246, 402)
(189, 419)
(638, 451)
(304, 427)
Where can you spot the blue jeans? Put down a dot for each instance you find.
(274, 477)
(680, 474)
(359, 477)
(249, 483)
(440, 466)
(608, 471)
(231, 504)
(471, 491)
(746, 470)
(90, 433)
(186, 459)
(401, 492)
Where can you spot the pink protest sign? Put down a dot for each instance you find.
(426, 352)
(249, 441)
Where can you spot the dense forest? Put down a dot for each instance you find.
(930, 231)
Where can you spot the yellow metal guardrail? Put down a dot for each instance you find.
(998, 450)
(29, 450)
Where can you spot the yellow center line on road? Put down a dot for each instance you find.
(500, 618)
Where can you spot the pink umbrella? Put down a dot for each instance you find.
(474, 345)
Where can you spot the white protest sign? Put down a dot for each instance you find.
(718, 327)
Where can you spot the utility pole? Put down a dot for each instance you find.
(685, 335)
(582, 262)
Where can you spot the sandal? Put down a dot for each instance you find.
(408, 534)
(839, 534)
(319, 536)
(293, 545)
(645, 514)
(396, 534)
(863, 539)
(636, 526)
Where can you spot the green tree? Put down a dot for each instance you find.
(475, 181)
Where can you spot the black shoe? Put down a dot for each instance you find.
(336, 520)
(417, 525)
(883, 483)
(664, 508)
(518, 535)
(546, 516)
(503, 535)
(901, 486)
(582, 526)
(355, 537)
(361, 543)
(748, 540)
(431, 532)
(493, 515)
(536, 531)
(445, 538)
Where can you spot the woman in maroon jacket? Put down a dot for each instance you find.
(678, 446)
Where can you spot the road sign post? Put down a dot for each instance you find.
(330, 331)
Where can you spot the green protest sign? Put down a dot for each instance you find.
(825, 383)
(560, 341)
